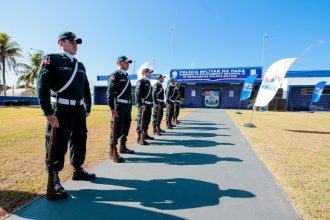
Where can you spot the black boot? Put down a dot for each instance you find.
(125, 150)
(147, 137)
(59, 191)
(144, 143)
(81, 174)
(120, 158)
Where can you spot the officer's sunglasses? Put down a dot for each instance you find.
(72, 42)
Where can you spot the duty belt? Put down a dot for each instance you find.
(67, 101)
(160, 100)
(124, 101)
(148, 103)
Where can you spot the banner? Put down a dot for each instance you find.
(247, 87)
(214, 75)
(318, 91)
(272, 81)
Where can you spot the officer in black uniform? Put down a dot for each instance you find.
(64, 96)
(158, 98)
(177, 99)
(119, 97)
(170, 94)
(144, 102)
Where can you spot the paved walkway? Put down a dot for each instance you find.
(203, 169)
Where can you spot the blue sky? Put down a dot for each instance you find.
(175, 33)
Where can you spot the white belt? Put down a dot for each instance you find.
(171, 100)
(160, 100)
(123, 101)
(149, 103)
(177, 101)
(66, 101)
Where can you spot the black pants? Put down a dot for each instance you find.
(72, 130)
(176, 109)
(123, 124)
(146, 120)
(169, 113)
(157, 119)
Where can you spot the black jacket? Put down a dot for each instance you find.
(143, 91)
(55, 71)
(117, 82)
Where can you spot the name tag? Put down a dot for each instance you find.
(81, 71)
(65, 68)
(122, 80)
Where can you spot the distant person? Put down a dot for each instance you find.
(158, 99)
(170, 94)
(119, 96)
(144, 103)
(177, 99)
(64, 95)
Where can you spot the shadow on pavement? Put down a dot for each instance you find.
(190, 143)
(164, 194)
(181, 158)
(111, 202)
(206, 128)
(195, 134)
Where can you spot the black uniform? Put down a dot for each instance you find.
(119, 97)
(143, 94)
(158, 98)
(170, 94)
(177, 97)
(72, 105)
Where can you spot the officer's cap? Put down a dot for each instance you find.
(173, 79)
(147, 70)
(69, 36)
(160, 76)
(124, 58)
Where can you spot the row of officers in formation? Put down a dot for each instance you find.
(64, 96)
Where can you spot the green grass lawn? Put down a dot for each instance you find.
(22, 153)
(295, 146)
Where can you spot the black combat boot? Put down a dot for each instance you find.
(81, 174)
(125, 150)
(59, 191)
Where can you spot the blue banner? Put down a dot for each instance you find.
(214, 75)
(247, 87)
(318, 91)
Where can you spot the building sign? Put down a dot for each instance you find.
(215, 74)
(211, 98)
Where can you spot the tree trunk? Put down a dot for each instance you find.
(4, 77)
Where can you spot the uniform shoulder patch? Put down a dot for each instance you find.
(113, 77)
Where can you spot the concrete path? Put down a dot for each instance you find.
(203, 169)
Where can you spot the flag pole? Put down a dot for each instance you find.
(239, 107)
(250, 125)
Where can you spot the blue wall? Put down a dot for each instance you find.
(32, 100)
(300, 102)
(226, 102)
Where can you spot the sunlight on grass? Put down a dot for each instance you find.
(295, 146)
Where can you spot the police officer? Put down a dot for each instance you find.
(158, 98)
(144, 102)
(170, 94)
(177, 98)
(64, 95)
(119, 97)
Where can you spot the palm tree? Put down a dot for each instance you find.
(29, 72)
(9, 51)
